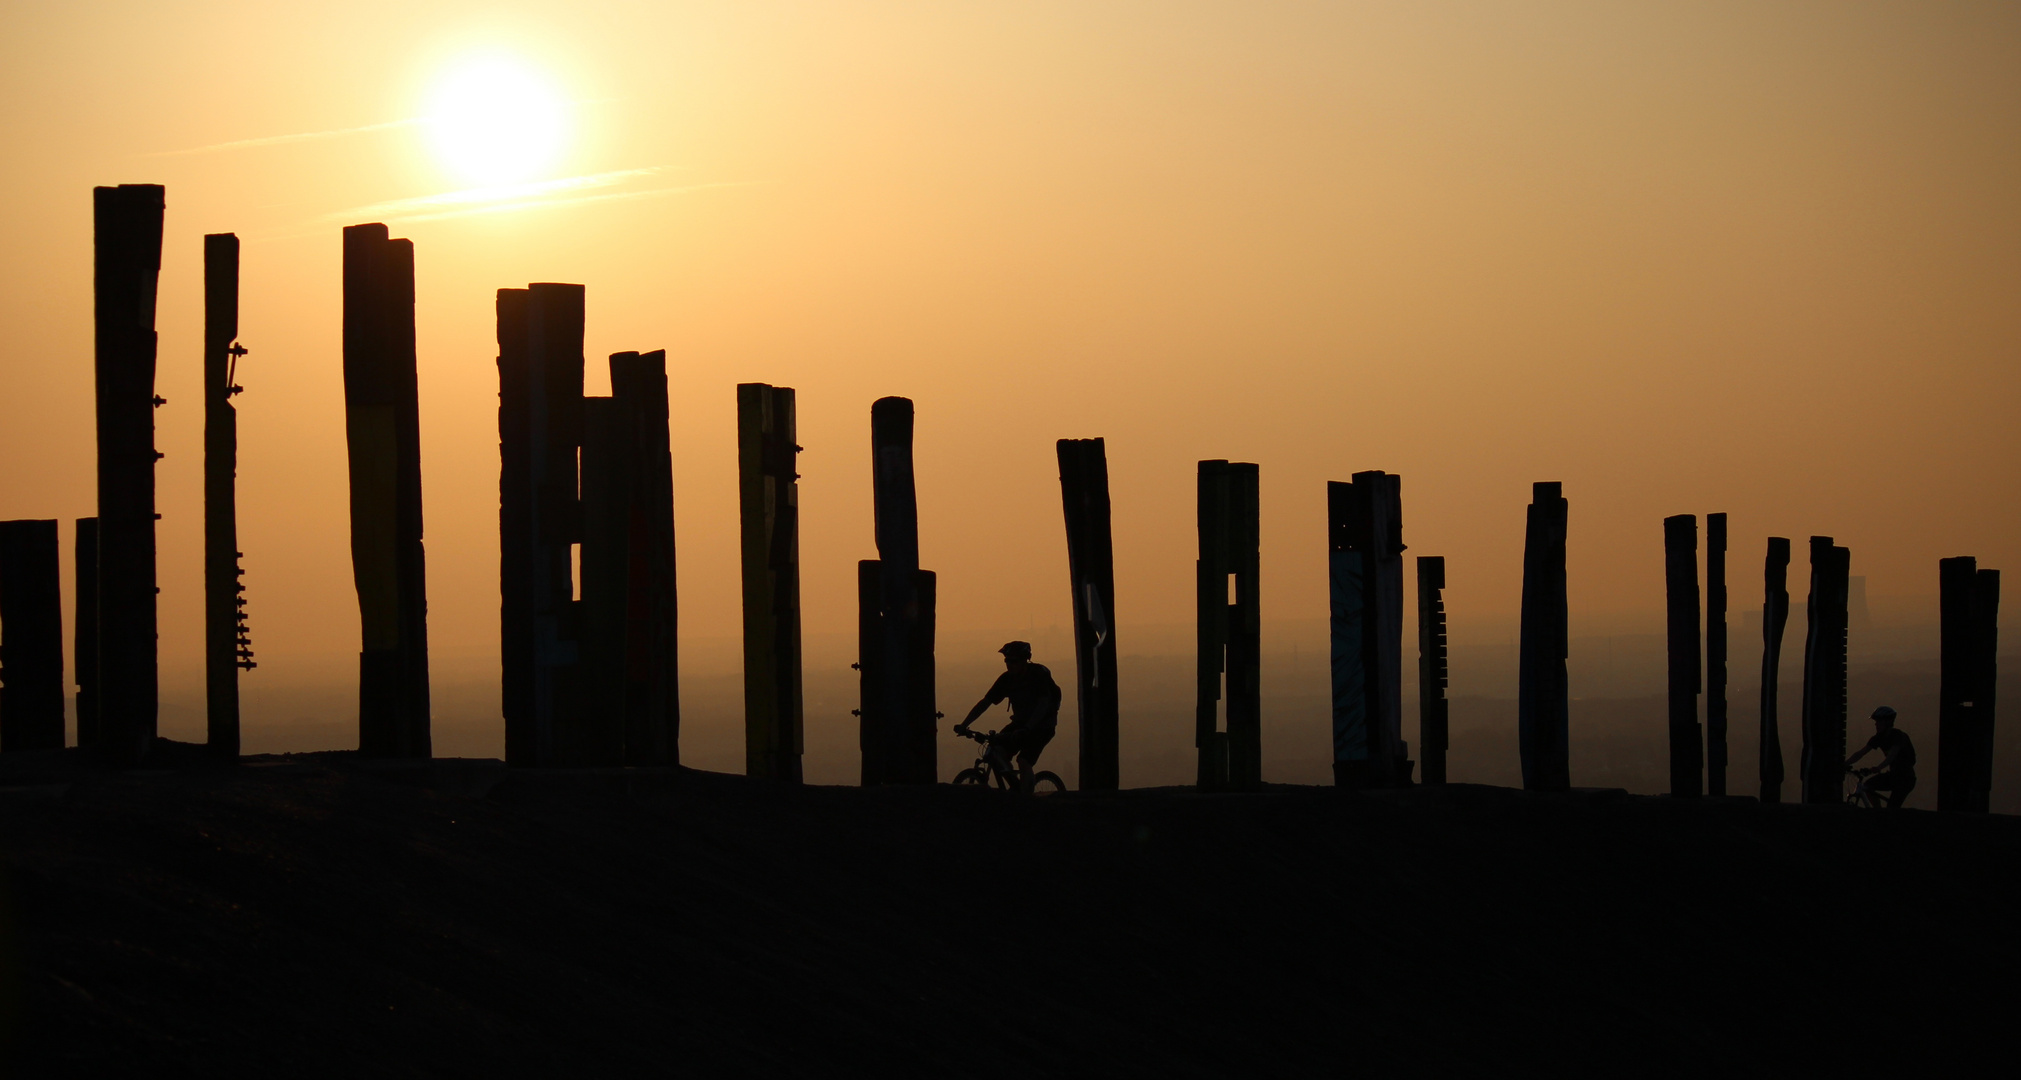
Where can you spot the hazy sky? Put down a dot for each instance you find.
(1755, 257)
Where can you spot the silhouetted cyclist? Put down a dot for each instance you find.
(1034, 705)
(1898, 757)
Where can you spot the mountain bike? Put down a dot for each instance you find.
(993, 769)
(1861, 795)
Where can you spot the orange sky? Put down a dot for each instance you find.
(1753, 257)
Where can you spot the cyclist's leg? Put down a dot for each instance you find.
(1899, 786)
(1029, 748)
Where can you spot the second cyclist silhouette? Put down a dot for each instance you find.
(1034, 705)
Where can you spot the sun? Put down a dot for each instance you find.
(495, 121)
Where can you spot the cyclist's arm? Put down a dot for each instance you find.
(1889, 761)
(980, 708)
(1855, 759)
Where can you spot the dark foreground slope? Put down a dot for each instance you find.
(313, 917)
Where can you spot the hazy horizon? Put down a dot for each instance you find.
(1738, 257)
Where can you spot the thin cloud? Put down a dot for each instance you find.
(304, 136)
(448, 203)
(541, 204)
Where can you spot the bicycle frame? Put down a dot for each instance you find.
(993, 764)
(1861, 795)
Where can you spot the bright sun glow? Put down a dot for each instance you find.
(494, 121)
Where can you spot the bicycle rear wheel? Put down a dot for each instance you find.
(1047, 783)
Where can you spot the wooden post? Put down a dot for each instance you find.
(769, 503)
(1957, 581)
(540, 431)
(1715, 654)
(1432, 671)
(1091, 573)
(652, 643)
(1231, 747)
(227, 645)
(1774, 620)
(871, 723)
(908, 755)
(605, 565)
(1969, 604)
(127, 240)
(1986, 649)
(918, 744)
(1365, 571)
(1824, 674)
(84, 642)
(627, 659)
(1543, 715)
(31, 637)
(383, 433)
(1680, 561)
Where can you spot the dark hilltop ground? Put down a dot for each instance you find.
(318, 916)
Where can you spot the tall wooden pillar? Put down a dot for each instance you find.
(888, 757)
(1824, 674)
(1774, 620)
(1715, 654)
(127, 240)
(383, 432)
(1969, 604)
(1680, 565)
(1432, 670)
(652, 620)
(1365, 570)
(84, 639)
(227, 644)
(1543, 715)
(540, 430)
(605, 566)
(1231, 747)
(906, 735)
(1986, 677)
(31, 637)
(1091, 573)
(629, 680)
(769, 505)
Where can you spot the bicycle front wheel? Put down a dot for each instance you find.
(1047, 783)
(969, 778)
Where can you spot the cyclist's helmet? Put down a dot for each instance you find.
(1884, 713)
(1017, 650)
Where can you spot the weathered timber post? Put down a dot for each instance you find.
(605, 565)
(769, 504)
(1774, 620)
(31, 637)
(540, 431)
(871, 722)
(1543, 703)
(1091, 572)
(1715, 654)
(907, 734)
(1969, 602)
(84, 638)
(652, 622)
(1432, 669)
(383, 432)
(1365, 571)
(227, 645)
(1231, 747)
(1824, 674)
(629, 678)
(1680, 564)
(1986, 646)
(1957, 580)
(127, 240)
